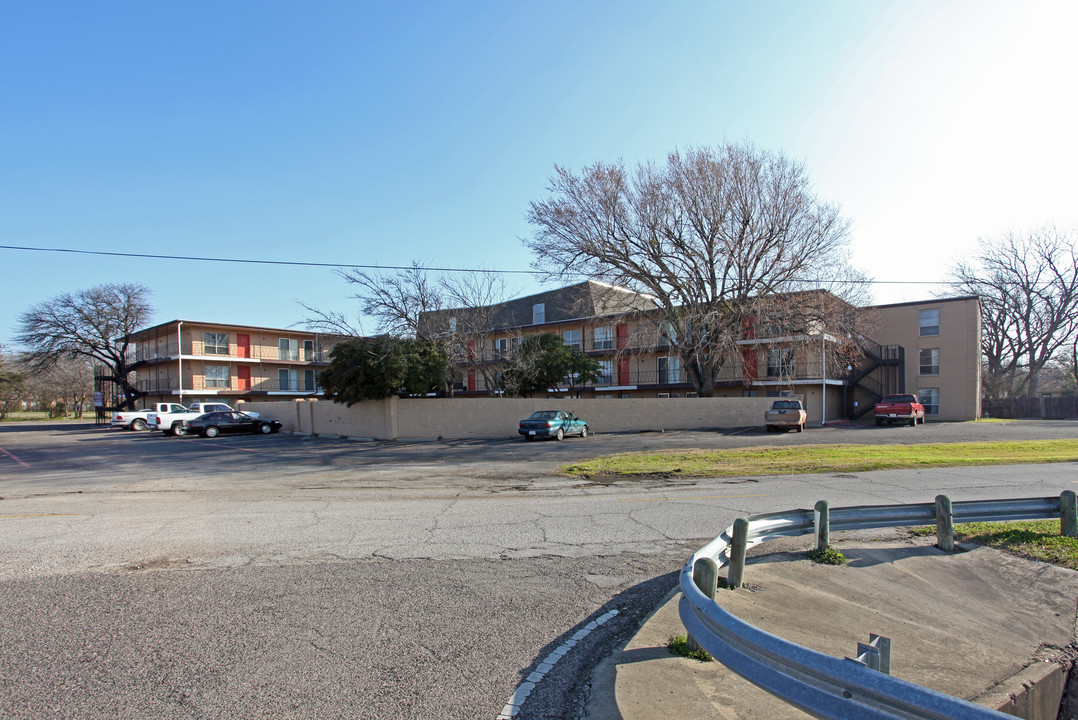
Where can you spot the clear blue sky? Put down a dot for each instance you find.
(377, 133)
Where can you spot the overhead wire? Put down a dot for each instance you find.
(351, 266)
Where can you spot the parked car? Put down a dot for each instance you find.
(552, 423)
(786, 415)
(170, 422)
(229, 423)
(902, 407)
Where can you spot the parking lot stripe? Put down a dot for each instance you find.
(12, 456)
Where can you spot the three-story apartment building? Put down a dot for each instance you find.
(637, 352)
(190, 361)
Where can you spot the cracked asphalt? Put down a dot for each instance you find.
(290, 577)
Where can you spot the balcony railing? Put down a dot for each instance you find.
(198, 384)
(266, 354)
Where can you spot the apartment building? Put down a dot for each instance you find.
(192, 361)
(942, 343)
(635, 351)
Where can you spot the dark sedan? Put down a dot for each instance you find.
(229, 423)
(552, 423)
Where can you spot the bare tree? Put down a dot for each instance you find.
(1028, 287)
(713, 236)
(94, 324)
(457, 311)
(70, 381)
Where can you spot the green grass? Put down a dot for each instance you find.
(821, 458)
(1035, 539)
(679, 645)
(827, 556)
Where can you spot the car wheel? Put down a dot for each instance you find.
(179, 430)
(800, 428)
(211, 431)
(584, 431)
(913, 421)
(559, 435)
(529, 438)
(139, 424)
(265, 428)
(879, 422)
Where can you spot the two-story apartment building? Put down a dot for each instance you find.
(637, 355)
(191, 361)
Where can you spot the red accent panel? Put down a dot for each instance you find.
(243, 376)
(749, 370)
(623, 370)
(623, 335)
(243, 348)
(471, 379)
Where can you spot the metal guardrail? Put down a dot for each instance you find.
(818, 684)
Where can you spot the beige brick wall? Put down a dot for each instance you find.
(490, 417)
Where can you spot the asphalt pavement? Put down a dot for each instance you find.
(296, 576)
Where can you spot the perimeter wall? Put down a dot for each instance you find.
(451, 418)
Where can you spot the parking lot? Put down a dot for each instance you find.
(144, 576)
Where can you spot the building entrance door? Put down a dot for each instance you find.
(243, 377)
(243, 348)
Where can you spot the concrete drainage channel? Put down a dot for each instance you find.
(524, 690)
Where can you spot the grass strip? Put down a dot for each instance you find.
(821, 458)
(1034, 539)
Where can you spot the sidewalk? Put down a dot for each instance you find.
(980, 625)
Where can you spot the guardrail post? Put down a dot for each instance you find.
(705, 573)
(944, 524)
(738, 547)
(821, 520)
(1068, 514)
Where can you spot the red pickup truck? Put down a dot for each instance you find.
(902, 407)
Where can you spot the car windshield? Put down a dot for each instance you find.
(544, 415)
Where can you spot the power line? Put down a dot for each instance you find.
(299, 263)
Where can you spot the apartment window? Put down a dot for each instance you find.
(501, 348)
(667, 334)
(538, 313)
(780, 362)
(215, 343)
(288, 380)
(669, 369)
(571, 338)
(606, 369)
(930, 398)
(930, 361)
(452, 324)
(308, 350)
(603, 337)
(217, 376)
(930, 322)
(310, 381)
(287, 349)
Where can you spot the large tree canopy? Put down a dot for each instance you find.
(93, 324)
(1028, 286)
(713, 235)
(543, 363)
(379, 367)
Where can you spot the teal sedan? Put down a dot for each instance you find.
(552, 423)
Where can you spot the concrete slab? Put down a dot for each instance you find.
(975, 624)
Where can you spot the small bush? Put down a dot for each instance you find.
(679, 645)
(827, 556)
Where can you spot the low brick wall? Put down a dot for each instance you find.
(396, 419)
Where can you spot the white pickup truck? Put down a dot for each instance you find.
(140, 419)
(171, 422)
